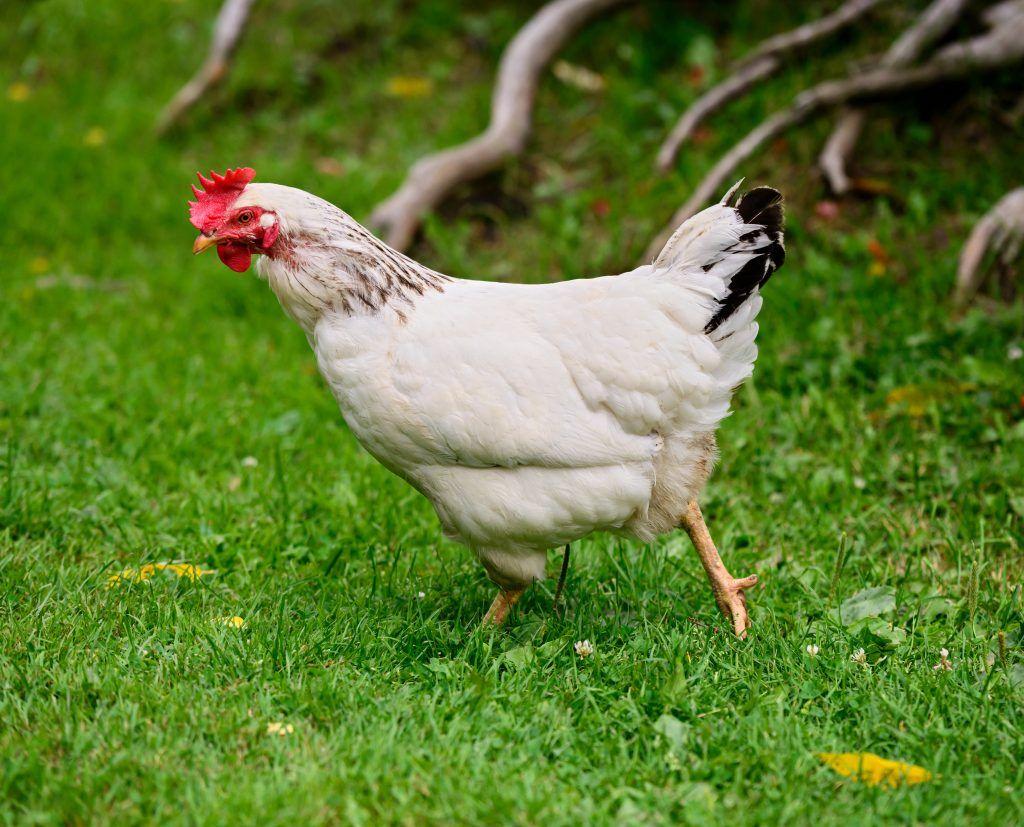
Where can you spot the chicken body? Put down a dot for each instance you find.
(531, 415)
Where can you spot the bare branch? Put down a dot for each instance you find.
(931, 25)
(1002, 12)
(1000, 232)
(711, 101)
(1002, 46)
(809, 33)
(227, 31)
(765, 60)
(431, 178)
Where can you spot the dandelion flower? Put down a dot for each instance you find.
(280, 728)
(859, 657)
(584, 648)
(250, 462)
(235, 622)
(812, 650)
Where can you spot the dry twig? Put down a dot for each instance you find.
(227, 31)
(433, 177)
(765, 60)
(931, 25)
(1001, 46)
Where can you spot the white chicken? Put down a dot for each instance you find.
(529, 415)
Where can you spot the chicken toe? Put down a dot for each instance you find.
(729, 592)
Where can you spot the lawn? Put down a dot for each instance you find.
(156, 407)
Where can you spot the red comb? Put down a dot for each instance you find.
(216, 197)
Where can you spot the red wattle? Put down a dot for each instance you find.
(235, 256)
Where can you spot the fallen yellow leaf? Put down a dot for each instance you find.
(145, 572)
(185, 570)
(873, 769)
(409, 87)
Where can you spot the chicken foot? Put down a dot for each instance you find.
(506, 599)
(728, 591)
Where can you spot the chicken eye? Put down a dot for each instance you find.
(245, 217)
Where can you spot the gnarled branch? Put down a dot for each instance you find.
(227, 31)
(1000, 233)
(931, 25)
(1001, 46)
(765, 60)
(432, 177)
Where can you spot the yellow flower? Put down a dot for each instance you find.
(235, 621)
(39, 265)
(19, 92)
(95, 137)
(409, 87)
(874, 770)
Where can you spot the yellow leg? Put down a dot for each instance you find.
(506, 599)
(727, 590)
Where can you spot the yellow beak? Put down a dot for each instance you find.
(204, 242)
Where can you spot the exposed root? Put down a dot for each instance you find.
(1000, 47)
(931, 25)
(765, 60)
(227, 31)
(997, 238)
(433, 177)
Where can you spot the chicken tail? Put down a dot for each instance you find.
(738, 242)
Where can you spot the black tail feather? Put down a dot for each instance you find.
(761, 206)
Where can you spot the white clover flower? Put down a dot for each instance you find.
(584, 648)
(944, 664)
(812, 650)
(1014, 352)
(421, 595)
(250, 462)
(859, 657)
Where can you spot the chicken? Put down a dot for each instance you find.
(529, 415)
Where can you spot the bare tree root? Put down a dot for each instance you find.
(432, 177)
(227, 31)
(999, 47)
(932, 24)
(765, 60)
(999, 235)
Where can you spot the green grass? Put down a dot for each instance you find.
(134, 380)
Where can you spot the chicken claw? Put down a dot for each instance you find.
(729, 592)
(732, 601)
